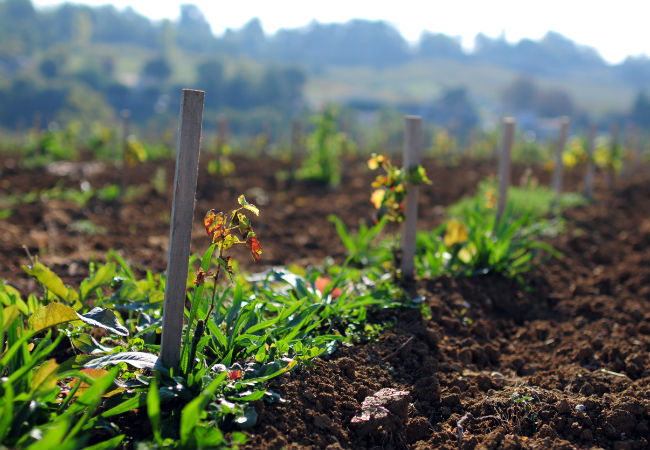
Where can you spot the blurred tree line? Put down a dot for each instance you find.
(50, 63)
(47, 66)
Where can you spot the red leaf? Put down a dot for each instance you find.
(199, 279)
(254, 246)
(215, 223)
(235, 374)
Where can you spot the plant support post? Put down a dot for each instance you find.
(187, 163)
(126, 130)
(413, 144)
(504, 165)
(591, 168)
(557, 174)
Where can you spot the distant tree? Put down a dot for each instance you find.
(193, 31)
(210, 78)
(49, 68)
(553, 102)
(456, 110)
(439, 45)
(520, 94)
(157, 69)
(640, 112)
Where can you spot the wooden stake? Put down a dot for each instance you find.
(613, 150)
(504, 165)
(413, 144)
(222, 130)
(187, 163)
(296, 151)
(557, 175)
(126, 131)
(591, 167)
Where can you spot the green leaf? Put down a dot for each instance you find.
(104, 318)
(191, 414)
(50, 315)
(102, 277)
(139, 360)
(52, 282)
(127, 405)
(248, 419)
(108, 444)
(85, 343)
(7, 410)
(9, 314)
(153, 410)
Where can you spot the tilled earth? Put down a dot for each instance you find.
(560, 362)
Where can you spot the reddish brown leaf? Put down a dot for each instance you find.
(199, 278)
(254, 246)
(235, 374)
(215, 225)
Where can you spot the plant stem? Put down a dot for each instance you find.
(216, 279)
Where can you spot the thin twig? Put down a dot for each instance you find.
(460, 425)
(396, 352)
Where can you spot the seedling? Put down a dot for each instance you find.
(226, 232)
(389, 195)
(390, 188)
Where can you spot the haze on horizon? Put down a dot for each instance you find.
(616, 32)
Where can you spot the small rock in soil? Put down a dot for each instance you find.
(386, 408)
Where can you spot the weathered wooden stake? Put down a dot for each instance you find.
(126, 131)
(561, 143)
(504, 165)
(222, 130)
(613, 150)
(296, 150)
(187, 163)
(413, 144)
(591, 167)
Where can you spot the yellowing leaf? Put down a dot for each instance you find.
(50, 315)
(456, 233)
(45, 376)
(252, 208)
(467, 253)
(377, 198)
(215, 223)
(52, 282)
(9, 314)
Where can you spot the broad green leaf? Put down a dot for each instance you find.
(9, 314)
(85, 343)
(50, 315)
(45, 376)
(102, 277)
(9, 295)
(191, 414)
(106, 319)
(248, 419)
(52, 282)
(139, 360)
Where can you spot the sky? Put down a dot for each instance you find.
(616, 29)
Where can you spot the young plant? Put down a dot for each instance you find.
(225, 231)
(390, 187)
(325, 147)
(390, 194)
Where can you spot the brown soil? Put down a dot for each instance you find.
(560, 362)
